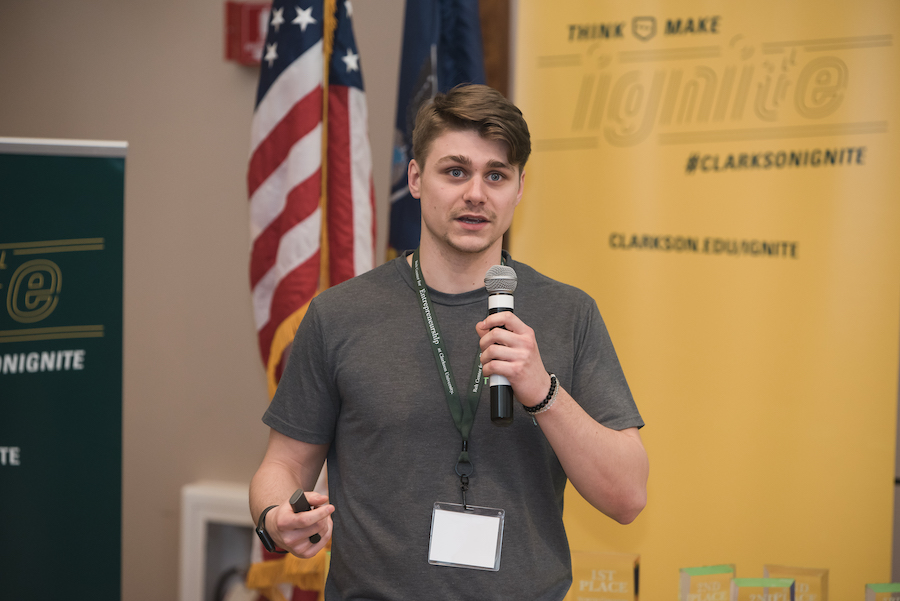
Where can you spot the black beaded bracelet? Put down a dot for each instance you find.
(545, 404)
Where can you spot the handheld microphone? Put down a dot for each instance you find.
(500, 282)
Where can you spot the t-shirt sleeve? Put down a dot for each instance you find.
(305, 406)
(598, 381)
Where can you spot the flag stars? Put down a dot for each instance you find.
(277, 18)
(304, 18)
(349, 8)
(271, 53)
(351, 60)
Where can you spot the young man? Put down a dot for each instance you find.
(365, 389)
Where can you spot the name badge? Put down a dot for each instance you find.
(466, 537)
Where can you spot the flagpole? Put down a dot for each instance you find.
(329, 23)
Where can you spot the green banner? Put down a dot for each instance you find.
(61, 243)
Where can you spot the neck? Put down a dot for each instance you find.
(453, 273)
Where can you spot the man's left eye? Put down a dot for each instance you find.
(495, 177)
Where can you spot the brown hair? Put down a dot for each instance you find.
(472, 107)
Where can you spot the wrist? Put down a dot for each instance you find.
(263, 533)
(548, 400)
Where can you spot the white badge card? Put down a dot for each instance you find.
(469, 537)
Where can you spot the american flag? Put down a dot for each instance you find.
(304, 240)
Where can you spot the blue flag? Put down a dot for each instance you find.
(441, 49)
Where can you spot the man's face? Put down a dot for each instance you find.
(468, 191)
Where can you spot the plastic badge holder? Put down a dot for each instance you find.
(466, 537)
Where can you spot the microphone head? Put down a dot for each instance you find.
(501, 279)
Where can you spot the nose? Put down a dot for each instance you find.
(475, 191)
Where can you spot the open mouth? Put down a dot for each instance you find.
(472, 220)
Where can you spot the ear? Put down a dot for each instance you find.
(521, 187)
(414, 177)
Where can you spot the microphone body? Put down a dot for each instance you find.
(501, 283)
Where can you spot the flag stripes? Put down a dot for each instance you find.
(306, 128)
(351, 222)
(301, 120)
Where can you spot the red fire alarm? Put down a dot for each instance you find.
(245, 31)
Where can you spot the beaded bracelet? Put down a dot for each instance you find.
(547, 402)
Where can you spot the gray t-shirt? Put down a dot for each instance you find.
(362, 378)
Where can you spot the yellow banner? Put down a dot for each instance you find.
(723, 179)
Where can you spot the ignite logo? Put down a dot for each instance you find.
(643, 28)
(34, 291)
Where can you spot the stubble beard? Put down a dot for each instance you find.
(483, 246)
(468, 243)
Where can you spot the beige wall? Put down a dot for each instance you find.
(153, 74)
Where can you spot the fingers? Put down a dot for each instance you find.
(504, 329)
(509, 348)
(503, 347)
(295, 529)
(503, 319)
(316, 499)
(507, 331)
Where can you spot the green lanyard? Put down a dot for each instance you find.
(462, 412)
